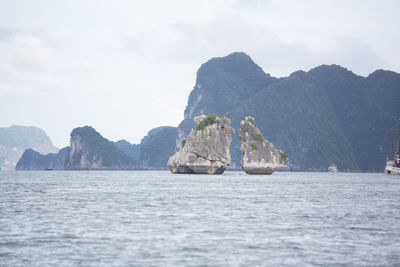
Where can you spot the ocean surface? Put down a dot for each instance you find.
(60, 218)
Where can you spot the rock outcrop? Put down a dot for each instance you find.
(91, 151)
(32, 160)
(206, 150)
(258, 155)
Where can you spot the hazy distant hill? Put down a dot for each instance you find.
(157, 147)
(132, 150)
(15, 139)
(91, 151)
(154, 149)
(367, 108)
(32, 160)
(327, 115)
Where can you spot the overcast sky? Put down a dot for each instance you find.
(125, 67)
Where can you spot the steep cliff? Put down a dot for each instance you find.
(367, 109)
(90, 151)
(327, 115)
(224, 84)
(206, 150)
(258, 155)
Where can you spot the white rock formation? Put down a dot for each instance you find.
(258, 155)
(206, 150)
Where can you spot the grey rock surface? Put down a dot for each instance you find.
(258, 155)
(206, 151)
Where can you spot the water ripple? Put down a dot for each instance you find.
(156, 218)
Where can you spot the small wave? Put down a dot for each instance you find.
(358, 228)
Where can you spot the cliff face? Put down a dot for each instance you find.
(258, 155)
(367, 109)
(327, 115)
(32, 160)
(206, 150)
(224, 84)
(90, 151)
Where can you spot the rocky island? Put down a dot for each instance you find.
(353, 130)
(91, 151)
(206, 150)
(32, 160)
(258, 155)
(15, 140)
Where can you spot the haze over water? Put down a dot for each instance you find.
(156, 218)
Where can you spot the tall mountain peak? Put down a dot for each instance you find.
(224, 82)
(327, 115)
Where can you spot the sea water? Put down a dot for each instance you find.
(89, 218)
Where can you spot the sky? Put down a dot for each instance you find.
(125, 67)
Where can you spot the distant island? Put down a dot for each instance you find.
(16, 139)
(327, 115)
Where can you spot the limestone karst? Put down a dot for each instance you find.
(91, 151)
(258, 155)
(206, 149)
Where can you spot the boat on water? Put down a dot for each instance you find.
(393, 165)
(332, 168)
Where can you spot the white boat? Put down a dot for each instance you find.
(332, 168)
(393, 166)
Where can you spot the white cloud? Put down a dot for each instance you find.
(6, 89)
(355, 55)
(5, 33)
(82, 64)
(130, 65)
(30, 53)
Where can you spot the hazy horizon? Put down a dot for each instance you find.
(126, 67)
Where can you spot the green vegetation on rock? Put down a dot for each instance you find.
(209, 120)
(253, 146)
(251, 120)
(283, 155)
(183, 142)
(259, 137)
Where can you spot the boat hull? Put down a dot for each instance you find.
(392, 170)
